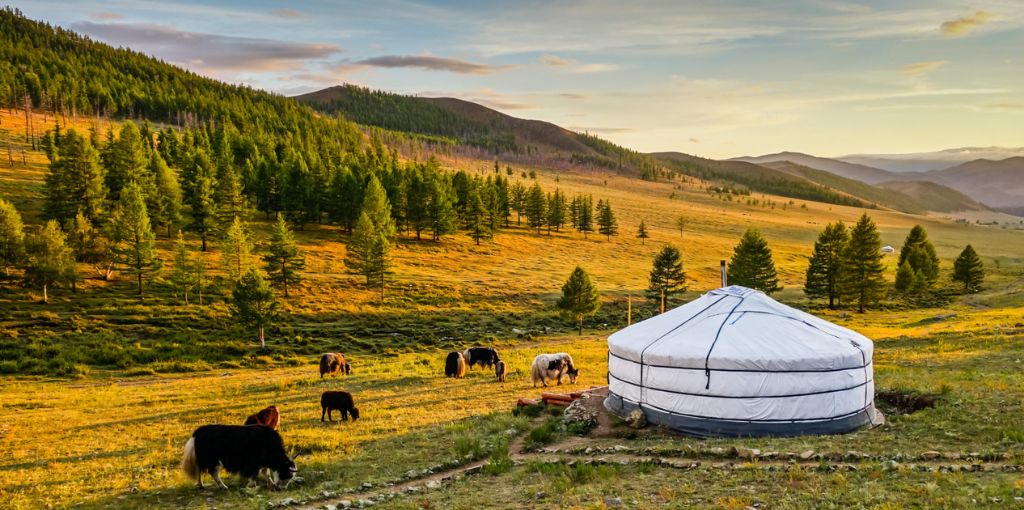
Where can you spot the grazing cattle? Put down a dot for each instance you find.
(499, 371)
(553, 366)
(483, 356)
(338, 401)
(242, 449)
(269, 417)
(332, 363)
(455, 365)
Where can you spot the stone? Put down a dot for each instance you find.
(433, 484)
(367, 485)
(613, 502)
(287, 502)
(930, 455)
(330, 507)
(745, 453)
(412, 473)
(807, 455)
(636, 419)
(540, 495)
(345, 503)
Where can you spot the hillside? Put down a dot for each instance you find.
(475, 125)
(927, 161)
(841, 168)
(999, 184)
(934, 197)
(871, 194)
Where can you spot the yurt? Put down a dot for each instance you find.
(735, 362)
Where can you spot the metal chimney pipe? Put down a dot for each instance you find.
(725, 277)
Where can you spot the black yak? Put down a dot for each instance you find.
(242, 449)
(499, 371)
(553, 366)
(338, 401)
(483, 356)
(268, 416)
(332, 363)
(455, 365)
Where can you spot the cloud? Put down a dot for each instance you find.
(1008, 106)
(292, 13)
(964, 25)
(573, 66)
(694, 140)
(105, 16)
(208, 52)
(430, 63)
(572, 95)
(919, 68)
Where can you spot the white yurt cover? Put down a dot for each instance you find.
(735, 362)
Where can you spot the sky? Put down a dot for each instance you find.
(717, 79)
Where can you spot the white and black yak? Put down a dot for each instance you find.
(268, 416)
(246, 450)
(499, 371)
(483, 356)
(338, 401)
(455, 365)
(333, 363)
(553, 366)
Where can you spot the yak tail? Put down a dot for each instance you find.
(189, 463)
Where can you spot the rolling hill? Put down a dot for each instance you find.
(858, 172)
(999, 184)
(927, 161)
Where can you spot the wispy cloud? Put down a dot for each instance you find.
(430, 63)
(573, 66)
(208, 52)
(964, 25)
(287, 13)
(919, 68)
(105, 16)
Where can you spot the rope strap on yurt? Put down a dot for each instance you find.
(707, 359)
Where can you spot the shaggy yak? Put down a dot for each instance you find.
(499, 371)
(332, 363)
(246, 450)
(338, 401)
(553, 366)
(455, 365)
(483, 356)
(269, 417)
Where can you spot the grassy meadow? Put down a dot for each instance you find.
(115, 384)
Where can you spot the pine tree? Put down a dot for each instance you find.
(74, 181)
(126, 160)
(417, 202)
(378, 209)
(667, 276)
(183, 276)
(557, 209)
(254, 304)
(517, 201)
(12, 237)
(920, 253)
(969, 269)
(862, 270)
(369, 253)
(284, 261)
(641, 232)
(586, 215)
(580, 298)
(236, 251)
(536, 207)
(824, 270)
(905, 276)
(607, 225)
(441, 209)
(680, 224)
(199, 193)
(133, 241)
(476, 222)
(752, 265)
(165, 204)
(89, 245)
(229, 196)
(50, 261)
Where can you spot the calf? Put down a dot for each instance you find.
(455, 365)
(269, 417)
(245, 450)
(553, 366)
(333, 363)
(483, 356)
(338, 401)
(499, 371)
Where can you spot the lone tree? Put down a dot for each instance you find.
(862, 269)
(667, 276)
(680, 224)
(579, 298)
(183, 276)
(133, 241)
(641, 232)
(969, 269)
(254, 304)
(236, 251)
(752, 265)
(12, 237)
(284, 260)
(825, 269)
(919, 253)
(49, 260)
(369, 253)
(607, 225)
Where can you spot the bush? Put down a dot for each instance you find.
(499, 461)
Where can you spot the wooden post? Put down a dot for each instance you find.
(663, 300)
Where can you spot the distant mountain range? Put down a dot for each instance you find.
(925, 161)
